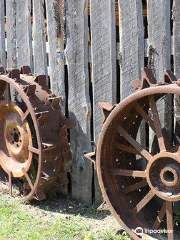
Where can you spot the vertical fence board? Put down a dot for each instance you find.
(39, 38)
(176, 37)
(131, 43)
(79, 101)
(11, 33)
(23, 33)
(56, 49)
(103, 38)
(2, 35)
(131, 50)
(159, 35)
(176, 50)
(56, 59)
(160, 55)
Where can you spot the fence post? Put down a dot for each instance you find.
(2, 35)
(78, 99)
(103, 39)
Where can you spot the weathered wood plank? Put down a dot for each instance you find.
(2, 35)
(79, 101)
(176, 37)
(176, 48)
(103, 39)
(56, 48)
(159, 35)
(131, 43)
(11, 33)
(23, 33)
(39, 38)
(131, 50)
(160, 54)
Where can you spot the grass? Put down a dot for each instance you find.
(55, 220)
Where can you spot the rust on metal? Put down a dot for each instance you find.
(169, 77)
(34, 148)
(106, 109)
(141, 185)
(92, 157)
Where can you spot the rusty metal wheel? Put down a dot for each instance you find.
(34, 149)
(142, 185)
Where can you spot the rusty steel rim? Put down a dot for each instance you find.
(34, 149)
(141, 191)
(16, 136)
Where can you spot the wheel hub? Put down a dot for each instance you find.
(163, 174)
(169, 176)
(14, 141)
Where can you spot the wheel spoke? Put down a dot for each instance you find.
(160, 217)
(2, 89)
(10, 183)
(28, 179)
(25, 115)
(149, 121)
(128, 149)
(133, 142)
(144, 115)
(5, 90)
(8, 95)
(33, 150)
(143, 202)
(127, 173)
(157, 124)
(169, 216)
(135, 187)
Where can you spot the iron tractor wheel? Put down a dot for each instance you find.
(141, 184)
(34, 149)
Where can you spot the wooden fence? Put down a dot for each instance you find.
(91, 50)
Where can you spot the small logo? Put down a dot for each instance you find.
(139, 231)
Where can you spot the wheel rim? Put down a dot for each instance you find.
(130, 191)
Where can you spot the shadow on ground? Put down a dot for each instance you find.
(65, 205)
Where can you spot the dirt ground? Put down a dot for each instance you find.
(66, 207)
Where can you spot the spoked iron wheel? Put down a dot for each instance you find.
(142, 185)
(34, 149)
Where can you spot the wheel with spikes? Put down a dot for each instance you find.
(34, 149)
(140, 178)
